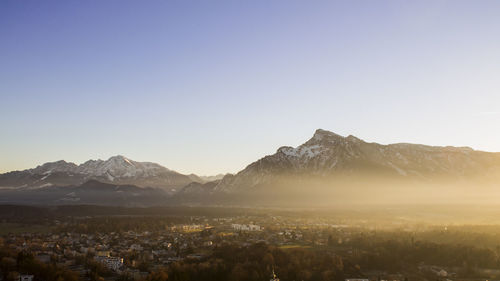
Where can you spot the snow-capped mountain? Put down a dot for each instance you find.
(328, 155)
(328, 167)
(115, 170)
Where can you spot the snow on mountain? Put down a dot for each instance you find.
(116, 170)
(324, 158)
(58, 166)
(121, 167)
(328, 154)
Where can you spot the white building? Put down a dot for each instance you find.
(114, 263)
(26, 277)
(246, 227)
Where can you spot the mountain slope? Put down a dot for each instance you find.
(116, 170)
(331, 163)
(327, 169)
(91, 192)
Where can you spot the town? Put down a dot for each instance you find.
(145, 247)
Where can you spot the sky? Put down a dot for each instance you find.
(208, 87)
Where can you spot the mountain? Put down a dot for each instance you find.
(211, 178)
(115, 170)
(326, 170)
(195, 193)
(205, 179)
(91, 192)
(331, 167)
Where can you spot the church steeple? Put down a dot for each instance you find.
(274, 277)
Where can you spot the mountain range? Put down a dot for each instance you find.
(117, 170)
(331, 169)
(327, 154)
(327, 168)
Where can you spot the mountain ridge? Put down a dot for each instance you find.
(328, 154)
(90, 192)
(326, 167)
(117, 170)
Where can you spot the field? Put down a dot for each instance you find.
(16, 228)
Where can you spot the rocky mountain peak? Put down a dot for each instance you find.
(328, 154)
(121, 160)
(352, 138)
(321, 134)
(57, 166)
(117, 170)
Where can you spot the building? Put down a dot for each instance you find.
(246, 227)
(26, 277)
(274, 277)
(113, 263)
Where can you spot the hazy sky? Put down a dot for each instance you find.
(210, 86)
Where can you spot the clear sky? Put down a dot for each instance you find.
(210, 86)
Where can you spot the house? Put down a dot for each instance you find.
(114, 263)
(245, 227)
(26, 277)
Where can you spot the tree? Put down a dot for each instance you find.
(160, 275)
(238, 273)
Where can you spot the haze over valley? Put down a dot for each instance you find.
(222, 140)
(326, 170)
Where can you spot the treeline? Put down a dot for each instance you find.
(395, 255)
(486, 236)
(12, 264)
(19, 213)
(256, 262)
(395, 251)
(483, 236)
(121, 224)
